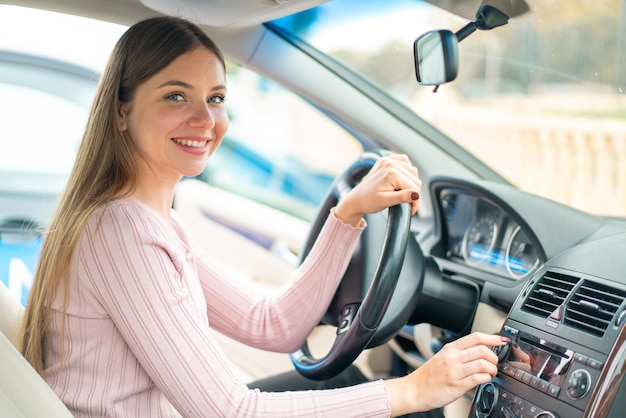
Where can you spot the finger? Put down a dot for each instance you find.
(415, 202)
(479, 352)
(397, 197)
(402, 166)
(479, 338)
(400, 162)
(471, 381)
(395, 166)
(400, 178)
(482, 366)
(478, 366)
(414, 198)
(399, 157)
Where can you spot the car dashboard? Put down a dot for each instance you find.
(558, 272)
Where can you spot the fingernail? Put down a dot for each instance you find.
(415, 196)
(505, 339)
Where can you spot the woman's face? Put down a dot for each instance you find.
(178, 118)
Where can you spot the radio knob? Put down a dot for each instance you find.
(578, 384)
(501, 351)
(486, 399)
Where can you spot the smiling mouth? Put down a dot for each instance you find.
(190, 143)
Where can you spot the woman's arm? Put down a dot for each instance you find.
(140, 278)
(281, 321)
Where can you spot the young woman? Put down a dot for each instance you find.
(118, 317)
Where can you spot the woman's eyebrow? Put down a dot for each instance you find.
(176, 83)
(189, 86)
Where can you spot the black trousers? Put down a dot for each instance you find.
(292, 380)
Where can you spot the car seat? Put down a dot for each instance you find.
(23, 393)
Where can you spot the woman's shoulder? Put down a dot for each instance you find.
(121, 209)
(126, 214)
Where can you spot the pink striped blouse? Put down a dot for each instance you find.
(137, 342)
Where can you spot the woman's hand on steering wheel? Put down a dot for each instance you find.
(391, 181)
(376, 181)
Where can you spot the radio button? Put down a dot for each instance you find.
(510, 330)
(553, 390)
(593, 363)
(534, 382)
(581, 358)
(508, 369)
(543, 386)
(532, 410)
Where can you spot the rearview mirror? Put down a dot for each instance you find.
(436, 52)
(436, 57)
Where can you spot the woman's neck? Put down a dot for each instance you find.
(160, 204)
(156, 194)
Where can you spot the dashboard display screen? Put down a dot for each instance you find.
(540, 358)
(483, 235)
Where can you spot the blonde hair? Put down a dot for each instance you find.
(105, 164)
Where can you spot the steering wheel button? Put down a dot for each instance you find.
(343, 326)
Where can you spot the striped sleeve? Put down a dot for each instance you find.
(143, 282)
(281, 321)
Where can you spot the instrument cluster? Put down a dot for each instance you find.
(481, 234)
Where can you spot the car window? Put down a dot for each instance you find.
(26, 162)
(540, 100)
(270, 154)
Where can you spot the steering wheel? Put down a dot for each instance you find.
(361, 306)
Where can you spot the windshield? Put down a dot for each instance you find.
(539, 100)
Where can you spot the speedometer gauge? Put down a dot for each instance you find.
(479, 240)
(521, 257)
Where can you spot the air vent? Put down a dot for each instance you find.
(549, 293)
(592, 307)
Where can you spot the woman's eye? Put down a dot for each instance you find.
(218, 98)
(175, 97)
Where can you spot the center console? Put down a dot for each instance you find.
(567, 354)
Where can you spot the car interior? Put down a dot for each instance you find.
(485, 252)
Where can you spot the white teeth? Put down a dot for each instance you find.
(190, 143)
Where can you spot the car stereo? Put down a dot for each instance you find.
(567, 352)
(537, 378)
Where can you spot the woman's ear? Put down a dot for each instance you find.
(122, 116)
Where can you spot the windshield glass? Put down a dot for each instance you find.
(539, 100)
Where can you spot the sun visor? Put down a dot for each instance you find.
(468, 8)
(235, 13)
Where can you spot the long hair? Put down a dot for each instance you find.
(105, 166)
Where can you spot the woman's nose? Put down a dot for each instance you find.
(202, 115)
